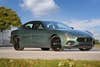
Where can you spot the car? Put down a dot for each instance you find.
(51, 35)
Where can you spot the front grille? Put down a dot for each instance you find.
(84, 39)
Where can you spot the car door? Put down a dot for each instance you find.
(40, 36)
(27, 35)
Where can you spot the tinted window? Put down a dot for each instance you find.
(37, 26)
(28, 26)
(56, 26)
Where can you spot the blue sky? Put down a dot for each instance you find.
(68, 9)
(81, 14)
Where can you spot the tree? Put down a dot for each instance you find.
(8, 18)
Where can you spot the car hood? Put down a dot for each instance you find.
(77, 33)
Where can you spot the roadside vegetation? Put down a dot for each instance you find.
(97, 43)
(97, 46)
(47, 63)
(8, 15)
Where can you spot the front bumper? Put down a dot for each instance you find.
(80, 45)
(89, 43)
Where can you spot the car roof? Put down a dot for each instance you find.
(33, 21)
(41, 21)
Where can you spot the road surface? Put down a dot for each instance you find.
(36, 53)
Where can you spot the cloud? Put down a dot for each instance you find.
(92, 25)
(40, 7)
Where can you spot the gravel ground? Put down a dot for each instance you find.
(36, 53)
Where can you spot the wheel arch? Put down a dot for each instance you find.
(61, 36)
(15, 36)
(12, 39)
(53, 35)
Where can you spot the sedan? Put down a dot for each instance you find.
(50, 35)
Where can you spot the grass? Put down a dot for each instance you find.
(47, 63)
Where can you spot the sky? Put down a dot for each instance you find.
(81, 14)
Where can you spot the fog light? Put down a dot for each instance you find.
(70, 43)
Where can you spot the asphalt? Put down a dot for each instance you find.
(37, 53)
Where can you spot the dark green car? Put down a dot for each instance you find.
(49, 34)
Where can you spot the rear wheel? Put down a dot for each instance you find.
(45, 49)
(56, 44)
(17, 45)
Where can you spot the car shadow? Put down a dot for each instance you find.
(38, 49)
(65, 50)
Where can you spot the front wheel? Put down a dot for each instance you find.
(56, 44)
(85, 49)
(17, 45)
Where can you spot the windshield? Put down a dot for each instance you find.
(56, 26)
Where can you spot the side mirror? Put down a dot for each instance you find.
(72, 27)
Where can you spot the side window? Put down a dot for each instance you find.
(51, 26)
(28, 26)
(61, 26)
(37, 26)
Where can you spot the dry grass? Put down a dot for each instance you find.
(97, 46)
(47, 63)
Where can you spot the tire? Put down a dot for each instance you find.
(85, 49)
(17, 45)
(56, 44)
(45, 49)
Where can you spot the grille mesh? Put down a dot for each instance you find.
(83, 39)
